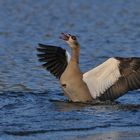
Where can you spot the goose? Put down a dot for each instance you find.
(106, 82)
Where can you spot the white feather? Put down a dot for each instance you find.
(68, 56)
(102, 77)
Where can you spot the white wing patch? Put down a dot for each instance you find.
(102, 77)
(68, 56)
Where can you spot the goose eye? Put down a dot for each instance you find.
(73, 37)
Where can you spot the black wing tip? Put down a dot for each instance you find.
(40, 50)
(41, 45)
(43, 48)
(52, 55)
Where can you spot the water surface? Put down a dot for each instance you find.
(32, 105)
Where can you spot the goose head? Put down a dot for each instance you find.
(70, 39)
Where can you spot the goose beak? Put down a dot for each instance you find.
(65, 36)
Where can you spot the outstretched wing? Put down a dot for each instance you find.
(55, 58)
(113, 78)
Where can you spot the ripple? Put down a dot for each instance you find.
(31, 100)
(27, 133)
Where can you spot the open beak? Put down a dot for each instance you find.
(65, 36)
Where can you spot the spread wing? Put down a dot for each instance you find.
(113, 78)
(55, 58)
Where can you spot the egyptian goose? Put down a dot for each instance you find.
(108, 81)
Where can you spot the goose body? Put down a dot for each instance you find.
(108, 81)
(73, 84)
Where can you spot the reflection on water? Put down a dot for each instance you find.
(32, 105)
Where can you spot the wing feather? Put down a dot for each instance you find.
(102, 77)
(115, 77)
(55, 58)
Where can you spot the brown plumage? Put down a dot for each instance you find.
(108, 81)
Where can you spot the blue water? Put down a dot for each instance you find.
(32, 105)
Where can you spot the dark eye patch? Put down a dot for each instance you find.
(73, 37)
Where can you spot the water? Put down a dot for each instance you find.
(32, 105)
